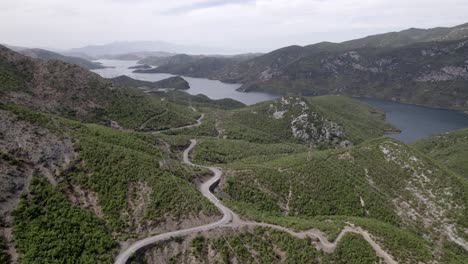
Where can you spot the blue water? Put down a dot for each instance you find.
(211, 88)
(417, 122)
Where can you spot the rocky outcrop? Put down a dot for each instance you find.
(447, 73)
(305, 124)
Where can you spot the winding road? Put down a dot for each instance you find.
(230, 219)
(228, 215)
(198, 123)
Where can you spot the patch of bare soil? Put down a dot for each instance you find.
(84, 198)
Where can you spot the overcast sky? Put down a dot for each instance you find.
(241, 25)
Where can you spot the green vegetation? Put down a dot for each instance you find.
(134, 109)
(212, 151)
(206, 129)
(4, 258)
(175, 82)
(260, 246)
(451, 149)
(201, 101)
(360, 120)
(10, 78)
(265, 245)
(386, 66)
(327, 188)
(48, 229)
(76, 93)
(404, 245)
(352, 249)
(113, 160)
(407, 201)
(329, 120)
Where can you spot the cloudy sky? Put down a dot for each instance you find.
(240, 25)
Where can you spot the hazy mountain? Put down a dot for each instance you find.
(138, 55)
(124, 47)
(14, 48)
(194, 65)
(49, 55)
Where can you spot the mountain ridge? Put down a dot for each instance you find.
(428, 70)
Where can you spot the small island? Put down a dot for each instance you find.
(175, 82)
(141, 67)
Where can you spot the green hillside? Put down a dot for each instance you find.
(69, 90)
(420, 66)
(175, 82)
(119, 185)
(381, 179)
(82, 179)
(46, 55)
(322, 121)
(450, 149)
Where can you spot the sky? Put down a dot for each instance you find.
(237, 25)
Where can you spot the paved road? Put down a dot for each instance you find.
(230, 219)
(199, 122)
(228, 215)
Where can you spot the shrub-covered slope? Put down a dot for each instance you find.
(426, 67)
(91, 182)
(451, 149)
(46, 55)
(69, 90)
(381, 179)
(175, 82)
(321, 121)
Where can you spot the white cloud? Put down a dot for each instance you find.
(241, 24)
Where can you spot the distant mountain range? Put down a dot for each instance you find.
(125, 47)
(193, 65)
(419, 66)
(46, 55)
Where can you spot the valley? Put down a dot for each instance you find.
(351, 152)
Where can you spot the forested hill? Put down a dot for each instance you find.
(426, 67)
(48, 55)
(66, 89)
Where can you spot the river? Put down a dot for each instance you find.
(415, 122)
